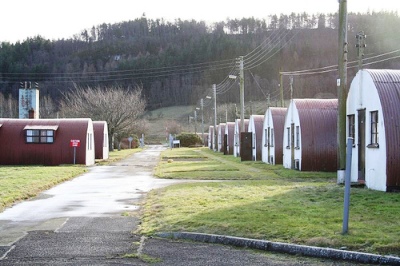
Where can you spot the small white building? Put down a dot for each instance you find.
(310, 135)
(229, 132)
(272, 140)
(236, 136)
(373, 121)
(256, 123)
(221, 135)
(210, 137)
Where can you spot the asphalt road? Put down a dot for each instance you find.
(82, 222)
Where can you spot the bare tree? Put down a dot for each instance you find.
(120, 108)
(8, 106)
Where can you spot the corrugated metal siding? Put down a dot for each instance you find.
(318, 123)
(98, 131)
(231, 133)
(387, 83)
(16, 152)
(278, 117)
(258, 126)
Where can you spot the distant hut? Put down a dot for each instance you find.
(101, 149)
(229, 132)
(272, 141)
(310, 136)
(210, 137)
(256, 123)
(46, 141)
(221, 135)
(373, 120)
(215, 139)
(236, 149)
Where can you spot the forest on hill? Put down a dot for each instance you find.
(177, 62)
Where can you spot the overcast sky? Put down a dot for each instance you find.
(57, 19)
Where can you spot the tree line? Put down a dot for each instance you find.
(176, 62)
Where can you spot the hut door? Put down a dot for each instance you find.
(292, 145)
(226, 152)
(246, 146)
(361, 146)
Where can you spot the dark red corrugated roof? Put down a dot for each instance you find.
(278, 117)
(387, 83)
(12, 140)
(318, 123)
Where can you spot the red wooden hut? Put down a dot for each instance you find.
(46, 141)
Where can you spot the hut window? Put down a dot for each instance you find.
(374, 130)
(351, 129)
(89, 141)
(297, 137)
(39, 136)
(271, 138)
(288, 138)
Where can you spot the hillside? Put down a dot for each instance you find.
(175, 119)
(177, 63)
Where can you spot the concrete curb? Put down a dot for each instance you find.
(310, 251)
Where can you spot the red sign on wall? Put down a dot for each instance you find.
(75, 143)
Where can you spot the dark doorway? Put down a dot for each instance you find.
(246, 142)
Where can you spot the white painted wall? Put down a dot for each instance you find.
(292, 116)
(268, 124)
(90, 158)
(106, 149)
(210, 137)
(229, 146)
(363, 95)
(236, 139)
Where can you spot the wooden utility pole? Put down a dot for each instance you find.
(215, 137)
(360, 45)
(281, 87)
(241, 76)
(342, 86)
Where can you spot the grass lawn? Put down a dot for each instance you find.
(24, 182)
(256, 200)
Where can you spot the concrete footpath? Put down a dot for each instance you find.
(83, 222)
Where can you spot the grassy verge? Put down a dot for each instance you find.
(23, 182)
(118, 155)
(269, 202)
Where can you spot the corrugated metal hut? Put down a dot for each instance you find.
(236, 136)
(229, 132)
(101, 149)
(46, 141)
(310, 136)
(210, 137)
(256, 123)
(373, 120)
(221, 135)
(215, 139)
(272, 141)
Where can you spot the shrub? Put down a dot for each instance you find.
(189, 139)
